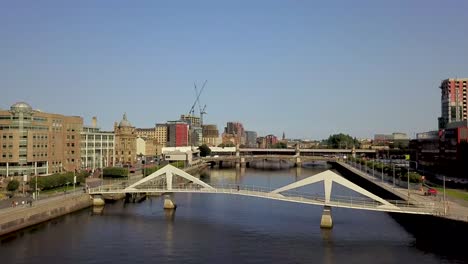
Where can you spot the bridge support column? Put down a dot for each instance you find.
(326, 221)
(168, 202)
(298, 162)
(98, 200)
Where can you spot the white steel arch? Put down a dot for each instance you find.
(328, 177)
(169, 171)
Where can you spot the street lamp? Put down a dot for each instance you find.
(409, 163)
(382, 170)
(35, 189)
(445, 203)
(373, 170)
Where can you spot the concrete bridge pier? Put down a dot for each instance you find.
(169, 202)
(326, 221)
(298, 162)
(98, 200)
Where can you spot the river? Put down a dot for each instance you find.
(213, 228)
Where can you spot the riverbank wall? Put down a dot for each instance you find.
(14, 219)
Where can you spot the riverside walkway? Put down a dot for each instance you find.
(451, 210)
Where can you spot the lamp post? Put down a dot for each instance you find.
(445, 201)
(382, 171)
(373, 170)
(35, 189)
(407, 176)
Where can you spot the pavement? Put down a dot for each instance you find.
(19, 198)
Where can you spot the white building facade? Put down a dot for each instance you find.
(97, 148)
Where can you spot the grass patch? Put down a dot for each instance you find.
(459, 194)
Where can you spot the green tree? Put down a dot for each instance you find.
(13, 185)
(228, 144)
(115, 172)
(204, 150)
(280, 145)
(342, 141)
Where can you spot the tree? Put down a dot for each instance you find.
(280, 145)
(115, 172)
(342, 141)
(204, 150)
(13, 185)
(228, 144)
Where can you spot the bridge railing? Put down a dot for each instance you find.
(358, 201)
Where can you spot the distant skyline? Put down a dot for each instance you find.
(306, 69)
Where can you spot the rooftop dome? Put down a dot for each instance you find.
(124, 122)
(21, 107)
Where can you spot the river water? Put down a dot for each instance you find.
(213, 228)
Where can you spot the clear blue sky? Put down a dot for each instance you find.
(307, 68)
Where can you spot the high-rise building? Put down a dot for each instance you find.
(211, 135)
(191, 120)
(453, 101)
(125, 142)
(178, 134)
(97, 147)
(196, 136)
(234, 130)
(251, 139)
(33, 142)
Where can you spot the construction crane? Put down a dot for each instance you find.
(200, 108)
(197, 101)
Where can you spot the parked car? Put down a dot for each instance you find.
(430, 192)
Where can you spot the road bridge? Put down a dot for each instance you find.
(242, 157)
(162, 182)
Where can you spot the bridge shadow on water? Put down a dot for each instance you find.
(444, 237)
(435, 235)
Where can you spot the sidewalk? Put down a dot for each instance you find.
(454, 210)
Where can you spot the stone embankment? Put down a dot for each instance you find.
(16, 218)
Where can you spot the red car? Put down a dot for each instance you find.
(431, 191)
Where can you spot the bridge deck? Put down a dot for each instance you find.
(429, 208)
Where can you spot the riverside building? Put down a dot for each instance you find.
(97, 147)
(33, 142)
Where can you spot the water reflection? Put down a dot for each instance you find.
(217, 228)
(328, 244)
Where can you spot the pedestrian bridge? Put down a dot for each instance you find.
(162, 182)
